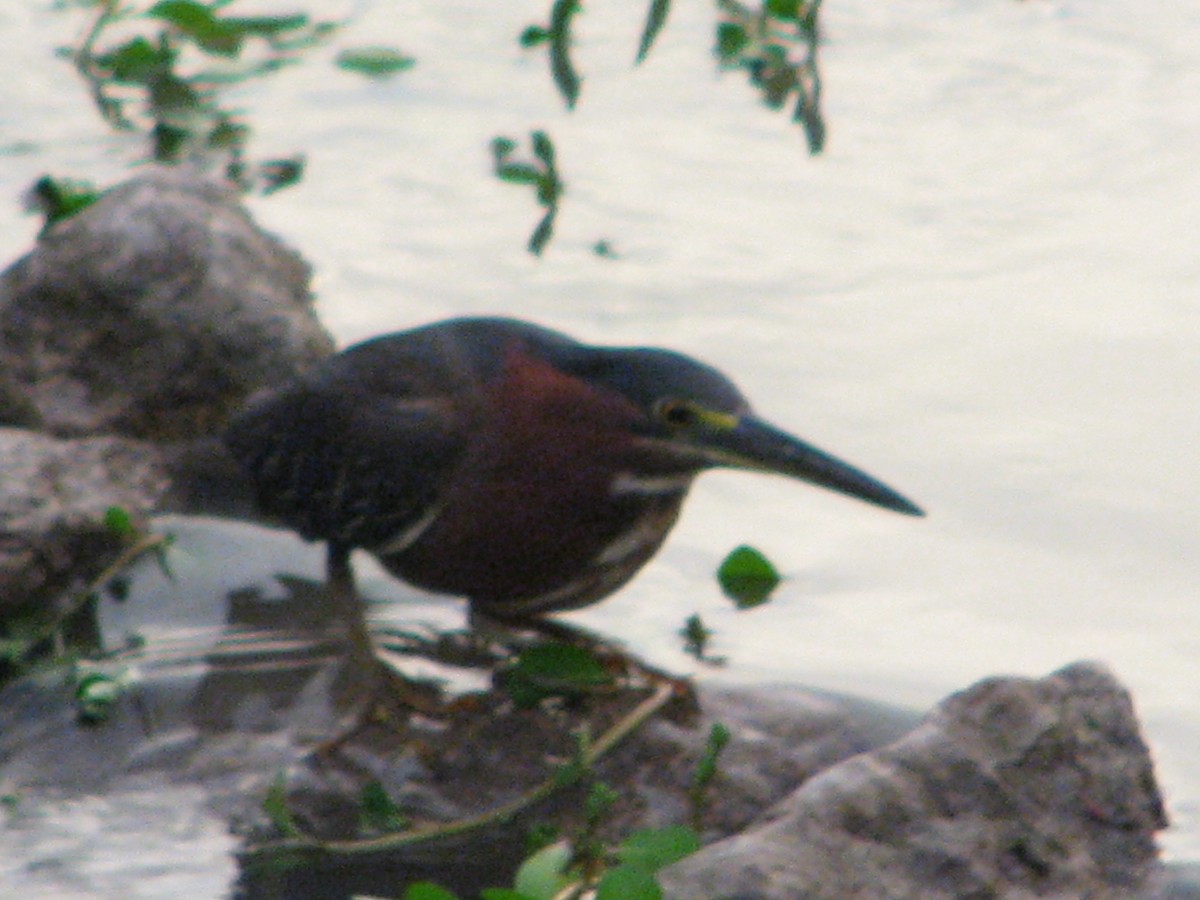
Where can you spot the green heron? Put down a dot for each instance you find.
(502, 462)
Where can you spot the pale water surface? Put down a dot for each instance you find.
(986, 292)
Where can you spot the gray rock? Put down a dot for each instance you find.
(153, 313)
(135, 328)
(54, 494)
(1014, 788)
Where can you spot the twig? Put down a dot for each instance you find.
(588, 757)
(143, 544)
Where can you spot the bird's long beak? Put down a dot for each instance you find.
(750, 443)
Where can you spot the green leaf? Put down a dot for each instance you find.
(651, 849)
(136, 61)
(265, 26)
(566, 79)
(519, 173)
(169, 142)
(784, 9)
(548, 190)
(600, 800)
(696, 637)
(543, 148)
(747, 577)
(628, 883)
(118, 520)
(503, 894)
(182, 13)
(277, 174)
(731, 41)
(656, 17)
(553, 670)
(374, 62)
(377, 811)
(719, 737)
(60, 198)
(544, 875)
(542, 233)
(96, 696)
(275, 806)
(604, 249)
(502, 148)
(172, 98)
(198, 22)
(427, 890)
(533, 35)
(541, 834)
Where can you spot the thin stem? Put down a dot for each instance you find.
(144, 544)
(629, 723)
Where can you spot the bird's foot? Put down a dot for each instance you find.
(387, 700)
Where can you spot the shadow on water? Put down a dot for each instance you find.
(225, 674)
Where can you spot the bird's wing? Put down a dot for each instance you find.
(357, 467)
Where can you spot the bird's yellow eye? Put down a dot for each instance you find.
(677, 413)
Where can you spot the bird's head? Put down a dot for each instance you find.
(695, 416)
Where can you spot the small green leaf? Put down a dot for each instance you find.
(541, 834)
(566, 79)
(628, 883)
(181, 13)
(59, 198)
(553, 670)
(784, 9)
(747, 577)
(266, 26)
(719, 737)
(604, 249)
(427, 890)
(169, 142)
(275, 806)
(731, 41)
(172, 98)
(96, 696)
(544, 875)
(656, 17)
(198, 22)
(377, 811)
(118, 520)
(706, 772)
(651, 849)
(518, 173)
(277, 174)
(533, 35)
(696, 638)
(600, 799)
(542, 233)
(502, 148)
(136, 61)
(543, 148)
(548, 190)
(374, 62)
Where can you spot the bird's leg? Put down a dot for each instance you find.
(349, 610)
(387, 695)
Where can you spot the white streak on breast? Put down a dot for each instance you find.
(404, 539)
(649, 485)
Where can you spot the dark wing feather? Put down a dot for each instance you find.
(341, 463)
